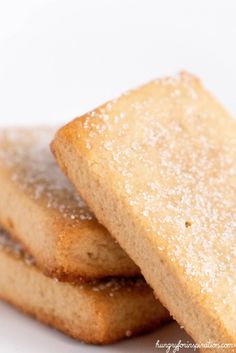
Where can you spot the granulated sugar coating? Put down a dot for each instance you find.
(33, 169)
(182, 181)
(168, 150)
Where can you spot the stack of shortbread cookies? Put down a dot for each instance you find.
(57, 262)
(157, 167)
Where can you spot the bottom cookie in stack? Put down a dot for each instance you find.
(99, 312)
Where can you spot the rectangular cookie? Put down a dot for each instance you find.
(157, 166)
(99, 312)
(40, 207)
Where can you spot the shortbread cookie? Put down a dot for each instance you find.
(100, 312)
(42, 209)
(158, 168)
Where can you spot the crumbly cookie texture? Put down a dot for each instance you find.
(158, 168)
(47, 214)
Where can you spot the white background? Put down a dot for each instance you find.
(59, 59)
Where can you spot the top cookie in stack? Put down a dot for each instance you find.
(158, 168)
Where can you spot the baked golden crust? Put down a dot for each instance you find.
(48, 216)
(99, 312)
(157, 167)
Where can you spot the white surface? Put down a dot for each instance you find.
(59, 59)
